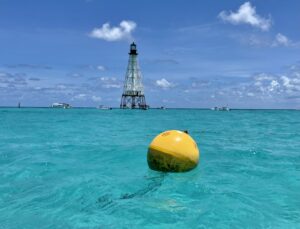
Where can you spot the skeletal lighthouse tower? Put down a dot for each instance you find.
(133, 94)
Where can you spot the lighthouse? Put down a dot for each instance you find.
(133, 93)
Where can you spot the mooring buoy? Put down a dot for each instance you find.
(173, 151)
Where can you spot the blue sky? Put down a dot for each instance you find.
(192, 53)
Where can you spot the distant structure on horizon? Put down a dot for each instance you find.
(61, 105)
(133, 94)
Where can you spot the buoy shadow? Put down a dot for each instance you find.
(107, 201)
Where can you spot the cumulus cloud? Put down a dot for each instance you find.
(261, 88)
(246, 14)
(292, 83)
(164, 84)
(288, 84)
(108, 33)
(267, 84)
(281, 39)
(274, 85)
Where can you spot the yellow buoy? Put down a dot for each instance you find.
(173, 151)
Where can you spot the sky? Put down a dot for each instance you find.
(193, 54)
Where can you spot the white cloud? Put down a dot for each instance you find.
(80, 96)
(286, 81)
(264, 86)
(262, 81)
(109, 85)
(268, 85)
(96, 98)
(106, 79)
(263, 76)
(164, 84)
(266, 40)
(292, 83)
(273, 85)
(108, 33)
(110, 82)
(101, 68)
(76, 75)
(246, 14)
(281, 39)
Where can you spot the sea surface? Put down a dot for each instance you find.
(87, 168)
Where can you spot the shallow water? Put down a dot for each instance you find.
(87, 168)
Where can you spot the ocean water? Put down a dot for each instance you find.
(87, 168)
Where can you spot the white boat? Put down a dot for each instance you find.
(101, 107)
(61, 105)
(226, 108)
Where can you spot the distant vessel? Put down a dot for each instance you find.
(226, 108)
(61, 105)
(101, 107)
(19, 105)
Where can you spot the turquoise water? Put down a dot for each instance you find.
(86, 168)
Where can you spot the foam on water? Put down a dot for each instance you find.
(86, 168)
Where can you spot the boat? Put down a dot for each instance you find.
(225, 108)
(61, 105)
(102, 107)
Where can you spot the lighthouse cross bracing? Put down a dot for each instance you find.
(133, 94)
